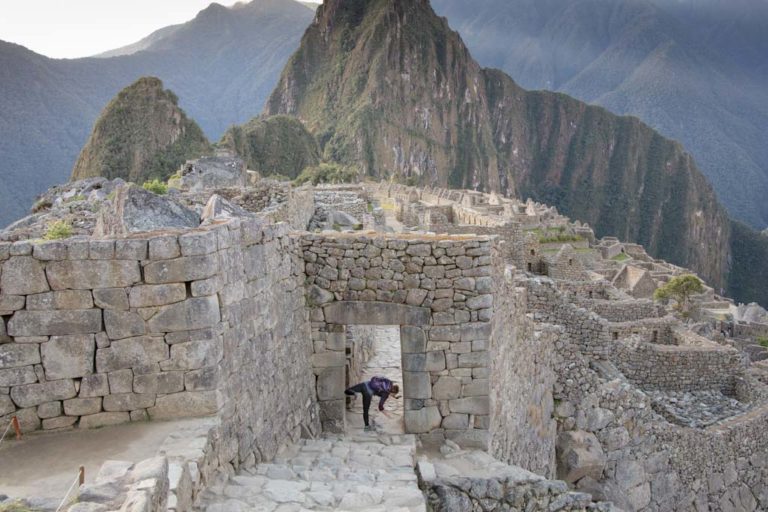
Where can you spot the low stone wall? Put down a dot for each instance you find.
(623, 310)
(678, 368)
(652, 330)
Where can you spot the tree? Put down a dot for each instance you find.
(680, 289)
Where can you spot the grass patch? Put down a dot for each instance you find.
(58, 230)
(621, 257)
(560, 238)
(16, 506)
(73, 199)
(156, 187)
(762, 341)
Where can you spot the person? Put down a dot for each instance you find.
(379, 386)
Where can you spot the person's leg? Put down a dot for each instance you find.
(366, 405)
(359, 388)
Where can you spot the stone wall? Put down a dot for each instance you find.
(439, 290)
(623, 310)
(204, 322)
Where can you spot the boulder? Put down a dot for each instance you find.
(218, 208)
(344, 220)
(579, 454)
(135, 210)
(220, 171)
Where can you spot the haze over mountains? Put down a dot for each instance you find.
(696, 70)
(223, 65)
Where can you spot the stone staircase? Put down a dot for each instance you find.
(354, 473)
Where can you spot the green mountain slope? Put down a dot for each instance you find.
(142, 134)
(387, 85)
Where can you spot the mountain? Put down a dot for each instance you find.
(142, 134)
(278, 145)
(222, 64)
(387, 85)
(695, 70)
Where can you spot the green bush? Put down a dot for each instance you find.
(680, 289)
(327, 173)
(762, 341)
(156, 187)
(58, 230)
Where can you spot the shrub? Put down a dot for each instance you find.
(680, 289)
(762, 341)
(156, 187)
(327, 173)
(58, 230)
(561, 238)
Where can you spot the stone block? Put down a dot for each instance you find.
(456, 422)
(57, 423)
(328, 359)
(111, 298)
(17, 376)
(474, 360)
(210, 286)
(435, 361)
(446, 388)
(50, 251)
(32, 395)
(101, 249)
(14, 355)
(121, 381)
(476, 331)
(140, 415)
(82, 406)
(92, 274)
(49, 410)
(375, 313)
(185, 405)
(23, 275)
(128, 402)
(159, 383)
(413, 340)
(204, 379)
(478, 387)
(28, 419)
(478, 405)
(330, 383)
(180, 270)
(123, 324)
(192, 314)
(104, 419)
(480, 302)
(417, 385)
(68, 357)
(157, 295)
(131, 249)
(194, 355)
(6, 405)
(164, 248)
(579, 454)
(416, 296)
(94, 385)
(21, 248)
(415, 362)
(185, 336)
(10, 303)
(55, 323)
(64, 299)
(131, 353)
(445, 333)
(422, 421)
(198, 243)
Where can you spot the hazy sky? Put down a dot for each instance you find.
(80, 28)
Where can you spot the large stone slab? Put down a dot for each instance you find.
(128, 402)
(477, 405)
(579, 454)
(17, 376)
(55, 323)
(422, 421)
(64, 299)
(186, 405)
(157, 295)
(330, 384)
(131, 353)
(13, 355)
(123, 324)
(180, 270)
(417, 385)
(23, 275)
(192, 314)
(375, 313)
(32, 395)
(68, 357)
(194, 355)
(104, 419)
(135, 210)
(210, 172)
(90, 274)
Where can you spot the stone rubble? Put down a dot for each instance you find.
(696, 409)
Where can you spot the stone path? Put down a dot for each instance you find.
(386, 362)
(350, 474)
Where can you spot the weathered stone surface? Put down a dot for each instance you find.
(101, 250)
(417, 385)
(131, 249)
(317, 296)
(164, 248)
(60, 422)
(473, 405)
(194, 355)
(414, 362)
(330, 384)
(23, 275)
(65, 299)
(55, 323)
(111, 298)
(49, 251)
(13, 355)
(121, 381)
(218, 208)
(413, 340)
(92, 274)
(186, 404)
(422, 421)
(49, 410)
(32, 395)
(194, 313)
(159, 383)
(131, 353)
(446, 388)
(6, 405)
(93, 386)
(82, 406)
(128, 402)
(123, 324)
(68, 357)
(579, 454)
(9, 303)
(205, 379)
(199, 242)
(17, 376)
(134, 210)
(183, 269)
(157, 295)
(104, 419)
(375, 313)
(211, 172)
(456, 422)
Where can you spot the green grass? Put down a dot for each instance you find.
(156, 187)
(16, 506)
(562, 238)
(621, 257)
(58, 230)
(762, 341)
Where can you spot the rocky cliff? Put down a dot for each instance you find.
(387, 84)
(141, 134)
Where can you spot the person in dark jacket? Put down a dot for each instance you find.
(378, 386)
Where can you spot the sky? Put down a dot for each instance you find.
(81, 28)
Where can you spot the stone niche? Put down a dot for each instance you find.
(439, 291)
